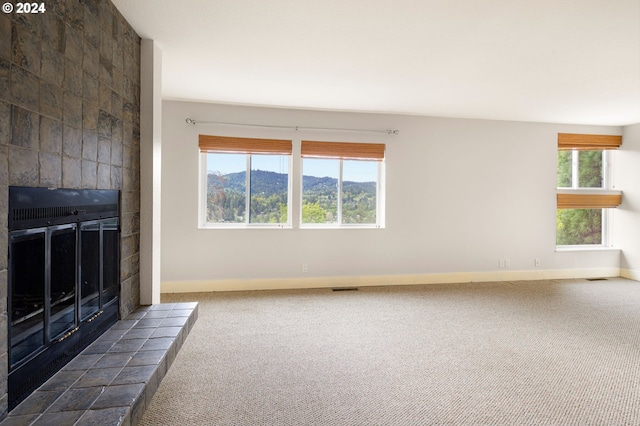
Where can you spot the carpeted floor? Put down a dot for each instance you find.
(519, 353)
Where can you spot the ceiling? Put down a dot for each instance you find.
(559, 61)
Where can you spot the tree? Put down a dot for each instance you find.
(579, 226)
(590, 169)
(564, 169)
(216, 197)
(313, 213)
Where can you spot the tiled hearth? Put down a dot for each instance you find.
(113, 380)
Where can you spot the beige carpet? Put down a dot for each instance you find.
(519, 353)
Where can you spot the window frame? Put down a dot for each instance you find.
(202, 194)
(604, 189)
(380, 180)
(352, 151)
(575, 170)
(604, 232)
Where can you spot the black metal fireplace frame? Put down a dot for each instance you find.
(45, 210)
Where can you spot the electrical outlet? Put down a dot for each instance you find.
(536, 262)
(507, 263)
(305, 268)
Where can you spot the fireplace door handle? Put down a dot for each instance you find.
(67, 334)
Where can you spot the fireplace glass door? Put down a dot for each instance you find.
(27, 263)
(89, 269)
(99, 242)
(43, 282)
(62, 298)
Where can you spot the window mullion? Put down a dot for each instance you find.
(605, 170)
(379, 193)
(605, 227)
(575, 183)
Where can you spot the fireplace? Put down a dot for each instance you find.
(63, 278)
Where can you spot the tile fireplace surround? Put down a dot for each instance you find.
(70, 118)
(113, 380)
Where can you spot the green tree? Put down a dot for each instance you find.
(579, 226)
(564, 169)
(590, 169)
(313, 213)
(359, 202)
(283, 213)
(216, 197)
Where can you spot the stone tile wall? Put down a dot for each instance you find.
(70, 117)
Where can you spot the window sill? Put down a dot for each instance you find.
(341, 227)
(561, 249)
(266, 226)
(242, 226)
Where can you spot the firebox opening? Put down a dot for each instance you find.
(64, 270)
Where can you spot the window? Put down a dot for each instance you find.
(342, 184)
(579, 226)
(246, 180)
(584, 195)
(581, 169)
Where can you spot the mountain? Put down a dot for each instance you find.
(272, 183)
(226, 200)
(318, 184)
(266, 183)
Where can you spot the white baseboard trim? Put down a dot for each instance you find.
(380, 280)
(632, 274)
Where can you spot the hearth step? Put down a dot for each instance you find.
(113, 380)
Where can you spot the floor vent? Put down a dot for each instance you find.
(345, 289)
(596, 279)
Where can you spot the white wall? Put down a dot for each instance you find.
(461, 194)
(627, 215)
(150, 170)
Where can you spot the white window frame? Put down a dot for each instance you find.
(575, 187)
(380, 199)
(575, 173)
(202, 196)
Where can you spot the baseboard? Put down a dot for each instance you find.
(632, 274)
(379, 280)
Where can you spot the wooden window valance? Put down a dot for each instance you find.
(208, 143)
(588, 201)
(568, 141)
(345, 150)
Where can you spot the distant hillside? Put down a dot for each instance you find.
(272, 183)
(267, 183)
(226, 201)
(320, 184)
